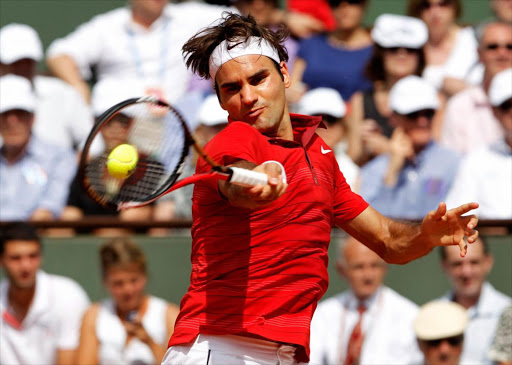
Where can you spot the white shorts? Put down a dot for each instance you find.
(230, 350)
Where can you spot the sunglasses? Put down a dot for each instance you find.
(495, 46)
(453, 341)
(427, 113)
(426, 5)
(506, 106)
(395, 50)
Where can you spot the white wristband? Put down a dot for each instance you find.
(283, 172)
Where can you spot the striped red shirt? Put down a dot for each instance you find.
(261, 272)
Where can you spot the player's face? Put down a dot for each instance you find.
(21, 260)
(495, 48)
(400, 62)
(363, 269)
(251, 90)
(15, 127)
(441, 352)
(468, 274)
(126, 285)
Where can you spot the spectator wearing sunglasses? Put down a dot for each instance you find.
(491, 185)
(439, 329)
(469, 122)
(415, 175)
(336, 59)
(398, 53)
(451, 51)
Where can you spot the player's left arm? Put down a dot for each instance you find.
(400, 242)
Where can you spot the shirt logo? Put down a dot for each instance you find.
(324, 151)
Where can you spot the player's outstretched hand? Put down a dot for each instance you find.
(450, 227)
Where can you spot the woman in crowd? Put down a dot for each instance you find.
(130, 327)
(398, 53)
(451, 50)
(336, 59)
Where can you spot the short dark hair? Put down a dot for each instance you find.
(485, 246)
(233, 28)
(374, 69)
(18, 231)
(415, 7)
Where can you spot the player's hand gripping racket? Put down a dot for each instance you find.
(162, 141)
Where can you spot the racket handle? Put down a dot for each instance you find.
(244, 177)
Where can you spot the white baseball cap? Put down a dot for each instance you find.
(392, 30)
(111, 91)
(411, 94)
(501, 87)
(210, 113)
(16, 93)
(322, 100)
(19, 41)
(440, 319)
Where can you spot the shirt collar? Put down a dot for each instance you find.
(369, 303)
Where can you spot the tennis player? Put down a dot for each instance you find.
(259, 255)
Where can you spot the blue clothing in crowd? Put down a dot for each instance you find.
(40, 179)
(333, 67)
(421, 185)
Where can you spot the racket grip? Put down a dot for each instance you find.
(244, 177)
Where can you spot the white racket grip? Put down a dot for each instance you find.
(244, 177)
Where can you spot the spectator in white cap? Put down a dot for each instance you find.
(439, 329)
(35, 176)
(469, 122)
(62, 117)
(415, 175)
(329, 104)
(211, 119)
(107, 93)
(491, 186)
(451, 50)
(398, 53)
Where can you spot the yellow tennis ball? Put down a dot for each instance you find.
(122, 160)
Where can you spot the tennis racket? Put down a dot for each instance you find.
(163, 141)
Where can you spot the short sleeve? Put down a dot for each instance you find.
(347, 204)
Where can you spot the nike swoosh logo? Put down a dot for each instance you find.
(324, 151)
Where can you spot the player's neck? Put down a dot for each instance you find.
(20, 300)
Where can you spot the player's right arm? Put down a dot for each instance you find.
(259, 195)
(87, 353)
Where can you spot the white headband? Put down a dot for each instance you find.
(253, 46)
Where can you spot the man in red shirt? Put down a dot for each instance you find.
(259, 255)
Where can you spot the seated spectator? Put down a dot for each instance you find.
(398, 53)
(35, 176)
(211, 120)
(41, 313)
(336, 59)
(469, 122)
(439, 329)
(328, 104)
(501, 348)
(141, 40)
(62, 117)
(367, 308)
(451, 50)
(414, 177)
(130, 327)
(483, 303)
(107, 93)
(490, 187)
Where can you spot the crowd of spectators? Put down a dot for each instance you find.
(416, 107)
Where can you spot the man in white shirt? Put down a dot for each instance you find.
(40, 313)
(483, 303)
(142, 40)
(469, 122)
(490, 187)
(386, 321)
(62, 117)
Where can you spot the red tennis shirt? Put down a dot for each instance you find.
(260, 273)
